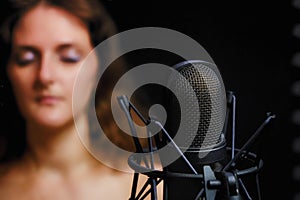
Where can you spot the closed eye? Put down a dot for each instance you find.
(24, 57)
(71, 59)
(69, 54)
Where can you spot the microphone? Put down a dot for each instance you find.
(204, 145)
(191, 146)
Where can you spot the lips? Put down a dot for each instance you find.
(48, 99)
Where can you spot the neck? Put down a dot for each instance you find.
(58, 148)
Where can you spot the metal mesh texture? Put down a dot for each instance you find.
(208, 87)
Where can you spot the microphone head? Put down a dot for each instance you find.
(209, 115)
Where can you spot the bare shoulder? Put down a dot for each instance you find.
(8, 179)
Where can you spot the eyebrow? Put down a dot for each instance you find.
(17, 48)
(36, 49)
(67, 46)
(25, 47)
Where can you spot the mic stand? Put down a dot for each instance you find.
(228, 181)
(126, 105)
(245, 149)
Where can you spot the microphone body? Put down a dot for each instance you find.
(207, 145)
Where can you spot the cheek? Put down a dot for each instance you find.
(21, 85)
(20, 81)
(85, 84)
(87, 75)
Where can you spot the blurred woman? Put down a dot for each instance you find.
(44, 43)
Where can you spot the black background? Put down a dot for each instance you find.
(252, 44)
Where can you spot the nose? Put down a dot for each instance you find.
(46, 71)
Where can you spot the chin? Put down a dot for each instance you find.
(53, 120)
(56, 123)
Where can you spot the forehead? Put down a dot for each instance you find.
(47, 26)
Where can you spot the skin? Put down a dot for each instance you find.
(49, 45)
(47, 52)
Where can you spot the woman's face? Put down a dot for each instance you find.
(48, 47)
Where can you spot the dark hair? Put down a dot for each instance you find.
(100, 26)
(91, 12)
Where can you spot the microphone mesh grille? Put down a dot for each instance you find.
(208, 86)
